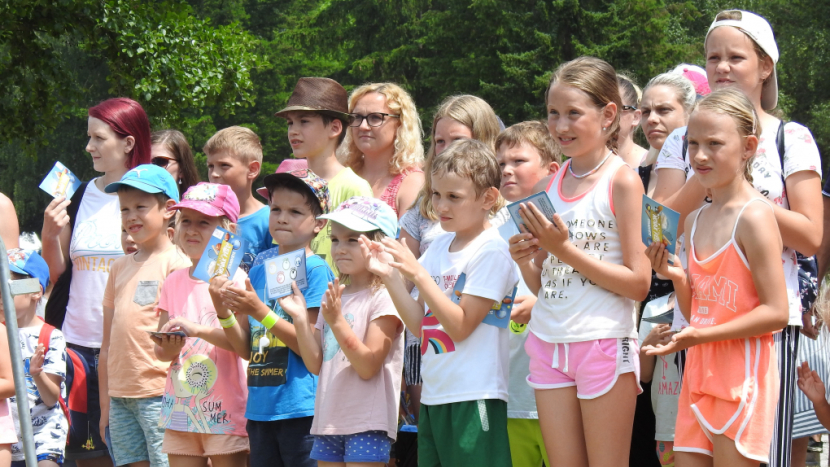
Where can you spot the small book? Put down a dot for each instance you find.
(222, 255)
(499, 314)
(667, 317)
(659, 225)
(541, 200)
(160, 334)
(282, 270)
(60, 181)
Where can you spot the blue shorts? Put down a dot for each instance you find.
(369, 446)
(84, 441)
(135, 432)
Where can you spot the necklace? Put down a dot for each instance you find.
(590, 172)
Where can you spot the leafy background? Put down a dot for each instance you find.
(202, 65)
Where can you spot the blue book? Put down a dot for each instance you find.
(282, 270)
(541, 200)
(60, 181)
(659, 225)
(499, 314)
(222, 255)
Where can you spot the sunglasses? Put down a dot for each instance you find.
(161, 161)
(629, 107)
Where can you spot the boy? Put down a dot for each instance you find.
(234, 158)
(135, 389)
(45, 367)
(463, 417)
(280, 388)
(526, 154)
(318, 119)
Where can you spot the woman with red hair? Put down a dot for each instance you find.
(81, 239)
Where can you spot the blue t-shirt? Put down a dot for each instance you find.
(279, 385)
(254, 228)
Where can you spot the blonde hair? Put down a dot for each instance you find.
(735, 104)
(224, 222)
(409, 147)
(474, 113)
(473, 160)
(822, 303)
(684, 92)
(631, 91)
(598, 80)
(238, 141)
(536, 135)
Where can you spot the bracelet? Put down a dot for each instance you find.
(270, 320)
(228, 322)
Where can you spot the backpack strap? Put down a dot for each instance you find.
(43, 338)
(779, 143)
(685, 144)
(75, 204)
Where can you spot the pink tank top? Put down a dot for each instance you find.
(390, 194)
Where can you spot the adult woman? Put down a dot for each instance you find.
(741, 52)
(631, 152)
(383, 144)
(79, 251)
(170, 150)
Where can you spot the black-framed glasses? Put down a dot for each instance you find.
(629, 107)
(374, 119)
(161, 161)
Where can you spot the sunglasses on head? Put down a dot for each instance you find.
(161, 161)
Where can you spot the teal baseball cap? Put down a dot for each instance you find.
(148, 178)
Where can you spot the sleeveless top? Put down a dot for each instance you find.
(390, 193)
(571, 308)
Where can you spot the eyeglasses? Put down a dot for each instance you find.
(629, 107)
(374, 119)
(162, 161)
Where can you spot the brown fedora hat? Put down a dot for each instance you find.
(322, 95)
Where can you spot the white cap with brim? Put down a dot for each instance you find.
(364, 214)
(759, 30)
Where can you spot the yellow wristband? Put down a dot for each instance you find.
(270, 320)
(228, 322)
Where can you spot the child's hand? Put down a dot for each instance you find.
(242, 301)
(682, 340)
(552, 233)
(377, 259)
(36, 361)
(403, 259)
(171, 345)
(331, 307)
(521, 309)
(523, 247)
(295, 305)
(660, 335)
(182, 324)
(810, 384)
(217, 285)
(658, 256)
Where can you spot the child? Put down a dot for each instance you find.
(45, 367)
(526, 154)
(205, 394)
(8, 434)
(131, 402)
(356, 347)
(234, 158)
(280, 388)
(588, 273)
(318, 118)
(733, 295)
(463, 417)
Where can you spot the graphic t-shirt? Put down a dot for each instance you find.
(254, 228)
(425, 230)
(475, 368)
(279, 385)
(205, 390)
(133, 293)
(343, 186)
(346, 403)
(95, 244)
(48, 423)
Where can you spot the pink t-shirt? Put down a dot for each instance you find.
(206, 388)
(346, 403)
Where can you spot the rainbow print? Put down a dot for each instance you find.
(438, 339)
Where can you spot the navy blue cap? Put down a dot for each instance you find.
(148, 178)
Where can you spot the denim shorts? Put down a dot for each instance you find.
(369, 446)
(135, 432)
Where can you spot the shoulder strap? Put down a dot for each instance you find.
(75, 204)
(685, 145)
(45, 335)
(779, 143)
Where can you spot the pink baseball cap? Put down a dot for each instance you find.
(211, 199)
(287, 165)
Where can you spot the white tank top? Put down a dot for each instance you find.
(570, 308)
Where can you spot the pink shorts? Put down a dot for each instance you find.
(184, 443)
(592, 366)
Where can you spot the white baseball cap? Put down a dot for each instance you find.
(759, 30)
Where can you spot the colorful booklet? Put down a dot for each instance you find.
(222, 255)
(282, 270)
(659, 225)
(60, 181)
(160, 334)
(541, 200)
(499, 315)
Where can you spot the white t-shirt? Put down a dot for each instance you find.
(95, 245)
(475, 368)
(665, 382)
(800, 153)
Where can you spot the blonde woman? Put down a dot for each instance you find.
(383, 144)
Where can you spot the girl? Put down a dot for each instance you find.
(386, 151)
(171, 151)
(631, 152)
(206, 391)
(8, 435)
(741, 53)
(582, 346)
(357, 345)
(733, 295)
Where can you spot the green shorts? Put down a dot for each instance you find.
(526, 445)
(464, 433)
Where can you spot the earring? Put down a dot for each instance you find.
(604, 128)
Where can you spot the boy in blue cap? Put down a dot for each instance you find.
(131, 398)
(45, 367)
